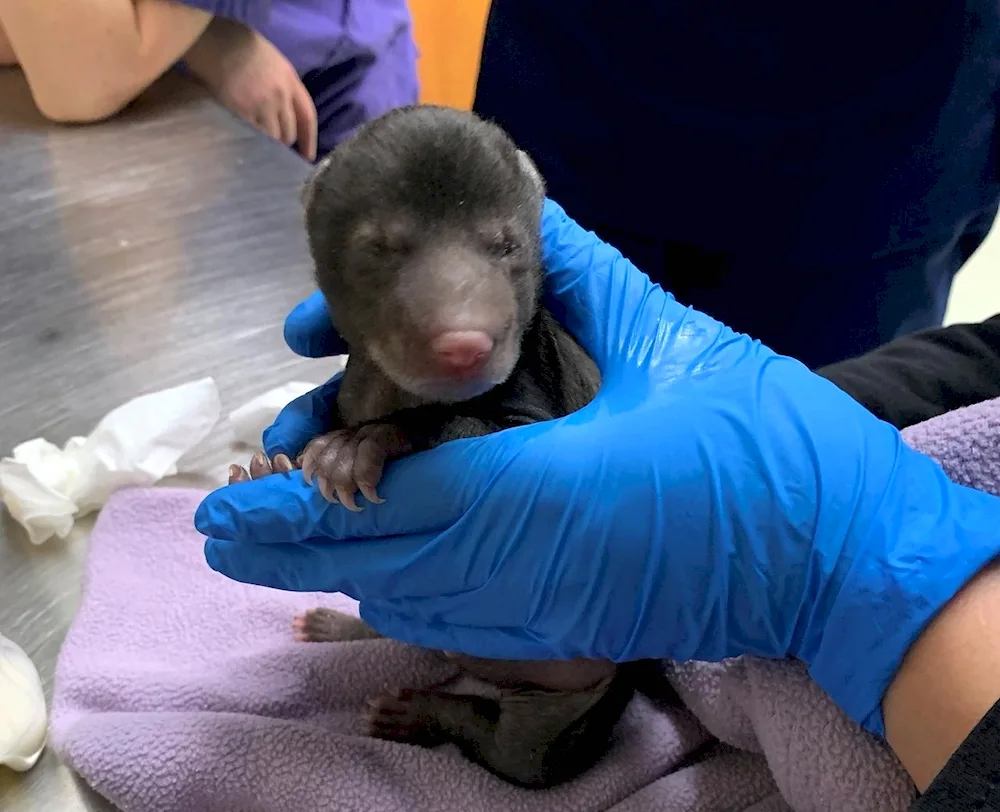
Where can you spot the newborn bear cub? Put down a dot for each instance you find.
(425, 230)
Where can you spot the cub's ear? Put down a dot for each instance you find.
(531, 170)
(309, 188)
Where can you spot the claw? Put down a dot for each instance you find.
(260, 466)
(308, 468)
(346, 497)
(326, 489)
(369, 492)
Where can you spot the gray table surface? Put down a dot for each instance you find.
(143, 253)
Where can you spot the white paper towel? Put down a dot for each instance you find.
(249, 421)
(23, 716)
(46, 488)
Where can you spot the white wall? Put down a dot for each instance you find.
(975, 295)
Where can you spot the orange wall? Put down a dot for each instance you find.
(449, 34)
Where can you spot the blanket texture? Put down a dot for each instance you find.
(178, 690)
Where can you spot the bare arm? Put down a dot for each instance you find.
(86, 59)
(948, 682)
(7, 55)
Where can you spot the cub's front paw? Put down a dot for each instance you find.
(350, 460)
(261, 466)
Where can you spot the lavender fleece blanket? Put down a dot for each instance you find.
(178, 690)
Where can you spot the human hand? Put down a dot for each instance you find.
(7, 55)
(254, 80)
(715, 499)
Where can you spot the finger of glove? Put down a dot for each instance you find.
(306, 417)
(309, 331)
(493, 643)
(291, 567)
(612, 308)
(359, 569)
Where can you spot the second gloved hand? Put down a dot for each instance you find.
(715, 499)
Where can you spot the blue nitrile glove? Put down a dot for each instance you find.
(716, 499)
(309, 331)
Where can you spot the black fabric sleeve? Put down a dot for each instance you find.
(920, 376)
(971, 778)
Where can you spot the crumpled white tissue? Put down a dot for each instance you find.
(249, 421)
(46, 488)
(23, 715)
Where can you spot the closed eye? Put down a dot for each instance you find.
(382, 247)
(379, 240)
(503, 245)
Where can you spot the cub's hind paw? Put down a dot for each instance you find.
(324, 625)
(404, 715)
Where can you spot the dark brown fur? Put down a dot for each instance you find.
(426, 217)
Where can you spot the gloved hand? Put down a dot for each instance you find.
(716, 499)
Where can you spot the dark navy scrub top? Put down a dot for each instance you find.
(812, 175)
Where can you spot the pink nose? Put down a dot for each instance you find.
(463, 352)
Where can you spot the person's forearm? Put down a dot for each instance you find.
(921, 376)
(948, 681)
(7, 55)
(86, 59)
